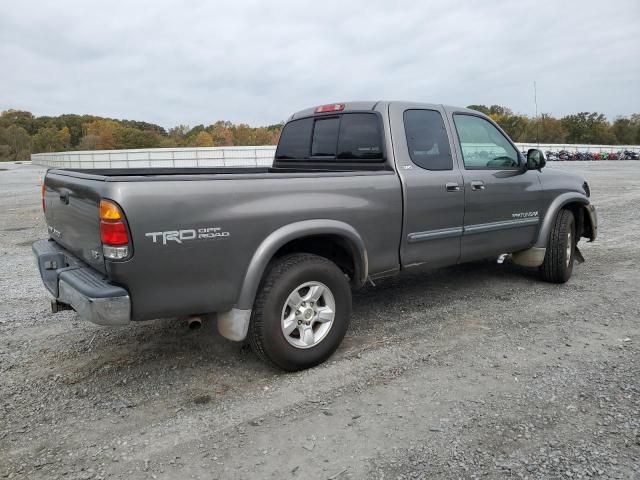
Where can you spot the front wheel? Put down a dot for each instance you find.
(559, 257)
(301, 312)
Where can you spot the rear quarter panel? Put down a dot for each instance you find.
(205, 275)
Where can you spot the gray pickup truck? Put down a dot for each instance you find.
(357, 191)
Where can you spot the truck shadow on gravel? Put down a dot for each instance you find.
(149, 371)
(167, 349)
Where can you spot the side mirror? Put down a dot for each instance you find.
(535, 159)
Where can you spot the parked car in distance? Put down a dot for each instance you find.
(357, 191)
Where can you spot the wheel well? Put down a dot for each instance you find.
(583, 222)
(332, 247)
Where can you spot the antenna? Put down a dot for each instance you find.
(535, 101)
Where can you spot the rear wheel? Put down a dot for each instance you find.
(559, 257)
(301, 312)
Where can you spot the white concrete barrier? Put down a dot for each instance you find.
(259, 156)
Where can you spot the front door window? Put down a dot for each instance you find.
(483, 146)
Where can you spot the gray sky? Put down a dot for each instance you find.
(192, 62)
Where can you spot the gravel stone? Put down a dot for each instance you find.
(426, 376)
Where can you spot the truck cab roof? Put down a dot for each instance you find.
(364, 105)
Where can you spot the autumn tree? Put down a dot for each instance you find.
(221, 134)
(22, 133)
(99, 135)
(176, 136)
(203, 139)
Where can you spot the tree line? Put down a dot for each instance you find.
(22, 133)
(581, 128)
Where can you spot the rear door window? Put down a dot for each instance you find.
(427, 140)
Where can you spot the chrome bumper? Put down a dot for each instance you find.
(73, 283)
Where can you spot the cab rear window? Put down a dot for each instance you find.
(295, 140)
(349, 137)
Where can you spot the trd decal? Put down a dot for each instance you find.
(180, 236)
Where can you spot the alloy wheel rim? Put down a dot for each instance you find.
(308, 314)
(569, 248)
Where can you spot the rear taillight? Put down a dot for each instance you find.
(43, 189)
(113, 231)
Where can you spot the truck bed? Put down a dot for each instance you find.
(158, 171)
(208, 173)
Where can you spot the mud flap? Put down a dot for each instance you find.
(578, 255)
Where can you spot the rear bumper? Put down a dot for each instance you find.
(84, 289)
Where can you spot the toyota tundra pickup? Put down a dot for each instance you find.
(357, 191)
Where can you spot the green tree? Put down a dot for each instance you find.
(545, 129)
(129, 137)
(51, 139)
(514, 125)
(627, 130)
(589, 128)
(479, 108)
(75, 125)
(15, 143)
(19, 118)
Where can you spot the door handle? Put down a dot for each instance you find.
(477, 185)
(452, 187)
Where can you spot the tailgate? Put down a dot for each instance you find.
(73, 218)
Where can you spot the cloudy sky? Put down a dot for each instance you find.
(191, 62)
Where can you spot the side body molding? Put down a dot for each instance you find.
(550, 216)
(293, 231)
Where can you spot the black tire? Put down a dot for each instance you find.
(266, 335)
(557, 268)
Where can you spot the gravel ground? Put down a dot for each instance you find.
(478, 370)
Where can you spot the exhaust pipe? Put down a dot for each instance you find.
(194, 322)
(57, 306)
